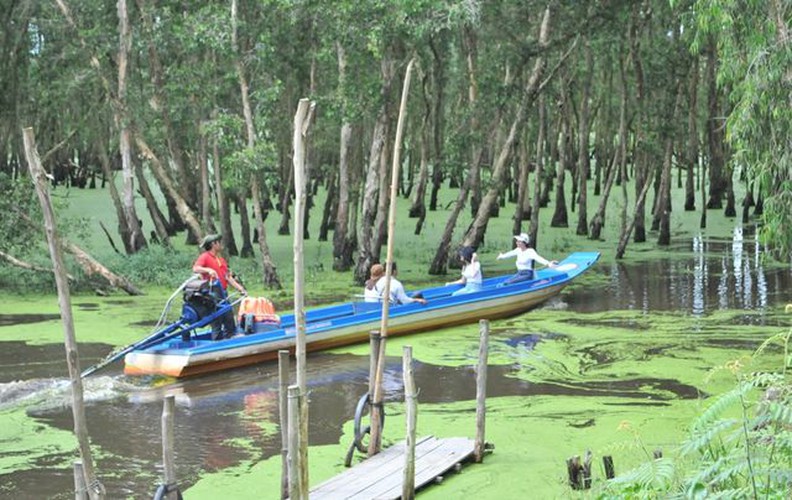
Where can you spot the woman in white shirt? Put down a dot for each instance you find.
(526, 258)
(471, 272)
(397, 294)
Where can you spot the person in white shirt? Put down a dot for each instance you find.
(526, 259)
(471, 272)
(370, 292)
(397, 294)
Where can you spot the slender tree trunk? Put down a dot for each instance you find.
(159, 103)
(285, 202)
(692, 149)
(123, 229)
(418, 207)
(160, 226)
(244, 224)
(619, 163)
(475, 233)
(641, 161)
(206, 203)
(381, 220)
(440, 260)
(438, 123)
(540, 173)
(625, 237)
(522, 188)
(167, 186)
(328, 213)
(229, 242)
(269, 271)
(367, 234)
(342, 213)
(715, 126)
(136, 239)
(560, 214)
(583, 150)
(664, 200)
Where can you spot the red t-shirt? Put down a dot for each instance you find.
(217, 263)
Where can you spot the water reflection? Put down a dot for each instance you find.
(721, 274)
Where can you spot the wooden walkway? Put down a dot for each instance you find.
(382, 475)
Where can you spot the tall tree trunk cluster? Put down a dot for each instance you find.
(196, 128)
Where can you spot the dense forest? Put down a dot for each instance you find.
(514, 105)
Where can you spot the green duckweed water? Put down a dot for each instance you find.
(620, 365)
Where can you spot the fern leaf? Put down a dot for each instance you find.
(720, 405)
(705, 438)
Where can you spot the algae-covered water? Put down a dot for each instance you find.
(620, 363)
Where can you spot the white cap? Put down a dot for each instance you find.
(523, 237)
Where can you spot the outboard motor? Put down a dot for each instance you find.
(200, 300)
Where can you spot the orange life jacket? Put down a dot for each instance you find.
(260, 309)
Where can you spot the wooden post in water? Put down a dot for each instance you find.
(374, 344)
(481, 390)
(283, 415)
(607, 463)
(588, 457)
(573, 470)
(295, 485)
(411, 402)
(169, 468)
(302, 120)
(375, 442)
(80, 491)
(39, 176)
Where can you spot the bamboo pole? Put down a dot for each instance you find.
(376, 403)
(95, 488)
(411, 401)
(168, 465)
(283, 415)
(481, 390)
(302, 120)
(80, 491)
(374, 344)
(295, 485)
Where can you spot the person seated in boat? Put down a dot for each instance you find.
(370, 292)
(471, 272)
(397, 294)
(526, 259)
(213, 267)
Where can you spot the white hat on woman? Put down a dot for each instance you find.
(523, 237)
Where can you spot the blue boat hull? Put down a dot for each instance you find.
(334, 326)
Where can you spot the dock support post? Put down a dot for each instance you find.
(80, 491)
(411, 402)
(607, 463)
(169, 468)
(302, 121)
(374, 344)
(39, 176)
(283, 416)
(295, 485)
(481, 390)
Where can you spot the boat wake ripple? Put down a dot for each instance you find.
(50, 393)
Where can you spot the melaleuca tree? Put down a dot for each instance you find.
(754, 43)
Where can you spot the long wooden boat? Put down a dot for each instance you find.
(349, 323)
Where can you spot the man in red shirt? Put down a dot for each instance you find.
(213, 267)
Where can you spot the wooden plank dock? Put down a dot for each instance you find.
(381, 476)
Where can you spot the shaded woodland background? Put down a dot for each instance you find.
(515, 105)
